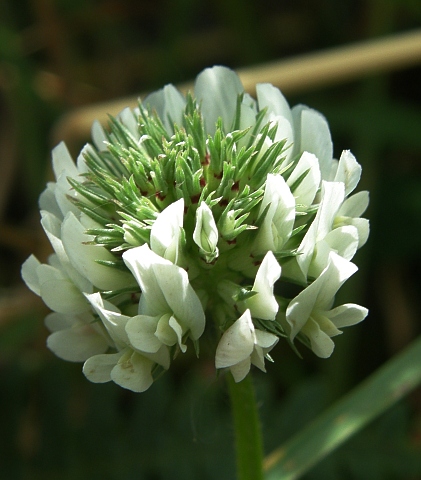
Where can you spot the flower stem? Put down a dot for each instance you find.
(249, 445)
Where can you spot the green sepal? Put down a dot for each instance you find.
(269, 326)
(109, 294)
(297, 182)
(257, 127)
(92, 196)
(285, 254)
(243, 294)
(237, 118)
(196, 346)
(89, 211)
(118, 264)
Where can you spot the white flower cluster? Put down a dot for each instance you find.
(186, 215)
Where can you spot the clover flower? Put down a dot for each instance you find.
(186, 218)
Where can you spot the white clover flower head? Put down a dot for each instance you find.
(188, 216)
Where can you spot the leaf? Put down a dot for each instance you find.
(381, 390)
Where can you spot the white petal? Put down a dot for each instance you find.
(321, 344)
(333, 277)
(278, 111)
(169, 104)
(363, 227)
(349, 171)
(61, 192)
(83, 257)
(342, 240)
(181, 298)
(55, 322)
(63, 162)
(98, 136)
(300, 308)
(347, 315)
(141, 332)
(133, 371)
(47, 201)
(77, 344)
(240, 369)
(111, 317)
(265, 341)
(81, 159)
(355, 205)
(129, 119)
(216, 90)
(271, 98)
(279, 220)
(247, 118)
(98, 368)
(64, 167)
(52, 227)
(323, 321)
(174, 107)
(306, 191)
(166, 289)
(165, 332)
(205, 233)
(331, 170)
(179, 332)
(313, 136)
(166, 231)
(58, 292)
(140, 261)
(284, 132)
(29, 274)
(258, 358)
(332, 198)
(319, 295)
(161, 357)
(236, 343)
(263, 304)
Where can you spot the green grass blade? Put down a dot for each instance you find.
(373, 396)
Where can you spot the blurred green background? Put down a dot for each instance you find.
(56, 55)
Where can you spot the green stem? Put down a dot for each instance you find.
(248, 436)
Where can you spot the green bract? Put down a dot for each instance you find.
(180, 220)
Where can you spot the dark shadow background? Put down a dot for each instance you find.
(56, 55)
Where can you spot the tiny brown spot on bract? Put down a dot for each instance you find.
(134, 297)
(160, 196)
(236, 186)
(206, 160)
(195, 198)
(202, 182)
